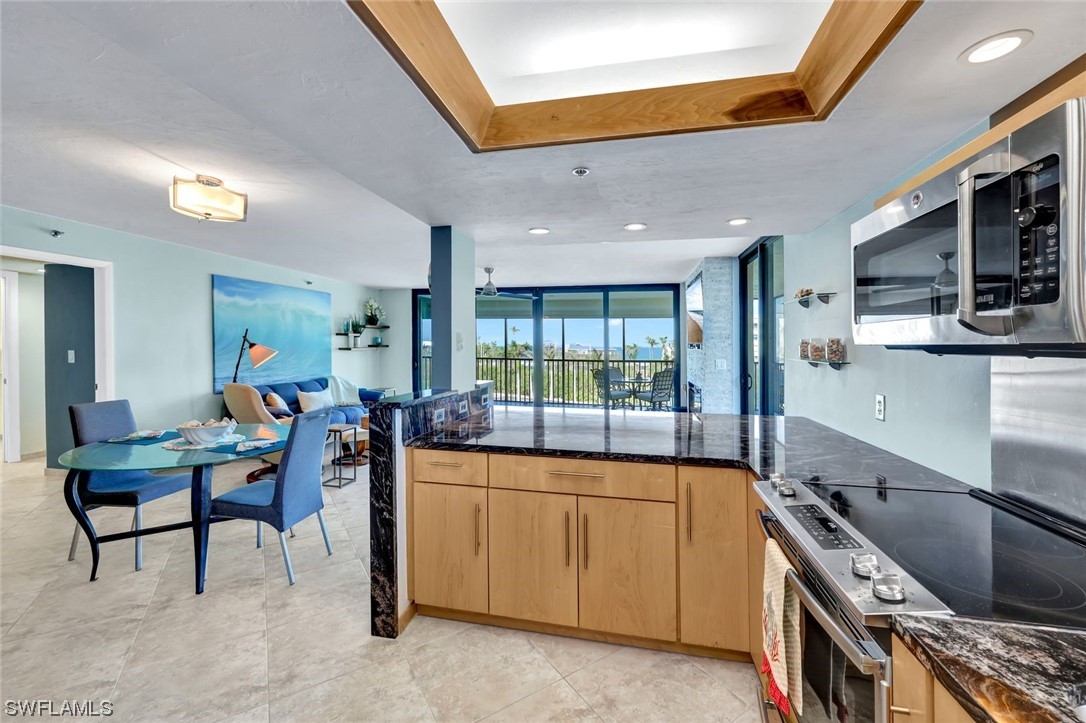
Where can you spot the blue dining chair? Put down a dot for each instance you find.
(296, 491)
(97, 422)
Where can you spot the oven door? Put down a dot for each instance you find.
(844, 666)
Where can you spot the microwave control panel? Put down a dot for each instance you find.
(1038, 217)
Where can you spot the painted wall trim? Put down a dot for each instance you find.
(104, 369)
(12, 436)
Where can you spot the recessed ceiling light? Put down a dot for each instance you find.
(996, 46)
(539, 230)
(580, 171)
(738, 221)
(635, 227)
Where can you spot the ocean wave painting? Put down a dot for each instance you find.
(296, 322)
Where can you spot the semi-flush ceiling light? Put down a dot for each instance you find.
(635, 227)
(738, 221)
(207, 199)
(996, 46)
(539, 230)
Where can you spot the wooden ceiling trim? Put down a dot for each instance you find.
(654, 111)
(416, 35)
(852, 35)
(849, 39)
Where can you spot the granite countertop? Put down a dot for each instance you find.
(1001, 671)
(795, 446)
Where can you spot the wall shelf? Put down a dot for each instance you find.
(815, 363)
(805, 301)
(363, 348)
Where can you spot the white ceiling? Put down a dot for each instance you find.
(298, 105)
(527, 50)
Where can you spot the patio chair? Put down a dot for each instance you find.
(605, 384)
(659, 394)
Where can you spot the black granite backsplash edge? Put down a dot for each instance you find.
(453, 446)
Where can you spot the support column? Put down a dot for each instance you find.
(452, 289)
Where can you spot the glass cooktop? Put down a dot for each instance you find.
(979, 560)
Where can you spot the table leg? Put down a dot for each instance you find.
(201, 520)
(71, 497)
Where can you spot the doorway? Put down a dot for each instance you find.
(761, 292)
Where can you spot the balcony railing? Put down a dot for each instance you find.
(566, 382)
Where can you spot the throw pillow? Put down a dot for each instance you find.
(310, 401)
(274, 400)
(280, 412)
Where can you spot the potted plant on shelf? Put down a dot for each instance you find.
(356, 329)
(373, 312)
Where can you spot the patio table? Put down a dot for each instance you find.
(126, 457)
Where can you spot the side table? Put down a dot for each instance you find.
(339, 477)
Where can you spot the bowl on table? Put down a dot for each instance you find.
(208, 434)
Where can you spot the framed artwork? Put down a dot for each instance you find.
(296, 322)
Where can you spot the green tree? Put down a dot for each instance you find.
(652, 342)
(631, 351)
(666, 352)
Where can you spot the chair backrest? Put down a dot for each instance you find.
(245, 404)
(99, 421)
(298, 482)
(601, 385)
(663, 383)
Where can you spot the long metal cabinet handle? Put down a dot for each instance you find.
(990, 165)
(586, 541)
(689, 516)
(561, 473)
(478, 514)
(900, 710)
(859, 657)
(567, 538)
(446, 464)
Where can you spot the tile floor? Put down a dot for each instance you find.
(253, 648)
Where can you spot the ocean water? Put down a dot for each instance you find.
(296, 322)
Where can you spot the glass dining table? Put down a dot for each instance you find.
(142, 455)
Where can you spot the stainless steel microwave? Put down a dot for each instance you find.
(988, 257)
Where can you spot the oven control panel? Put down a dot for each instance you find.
(1038, 219)
(822, 528)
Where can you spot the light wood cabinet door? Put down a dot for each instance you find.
(713, 601)
(948, 710)
(533, 556)
(626, 553)
(911, 696)
(450, 547)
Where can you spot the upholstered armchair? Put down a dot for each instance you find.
(246, 406)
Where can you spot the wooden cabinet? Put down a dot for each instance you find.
(450, 550)
(948, 710)
(713, 557)
(457, 468)
(627, 556)
(533, 556)
(911, 696)
(584, 477)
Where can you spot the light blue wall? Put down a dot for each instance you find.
(937, 407)
(162, 301)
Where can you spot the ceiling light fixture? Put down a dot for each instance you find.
(635, 227)
(207, 199)
(539, 231)
(996, 46)
(738, 221)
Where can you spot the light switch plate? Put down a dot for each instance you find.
(71, 356)
(722, 365)
(880, 407)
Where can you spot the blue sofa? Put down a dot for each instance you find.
(340, 415)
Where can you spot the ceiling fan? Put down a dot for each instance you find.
(490, 291)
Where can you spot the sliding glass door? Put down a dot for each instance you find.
(546, 345)
(761, 285)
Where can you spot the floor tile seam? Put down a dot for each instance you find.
(529, 695)
(305, 616)
(415, 680)
(132, 643)
(36, 596)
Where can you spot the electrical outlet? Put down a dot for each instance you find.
(880, 407)
(722, 365)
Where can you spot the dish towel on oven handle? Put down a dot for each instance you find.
(781, 652)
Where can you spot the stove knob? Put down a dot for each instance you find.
(1035, 216)
(863, 564)
(785, 488)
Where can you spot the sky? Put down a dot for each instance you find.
(581, 332)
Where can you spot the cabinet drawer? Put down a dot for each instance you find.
(454, 468)
(593, 478)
